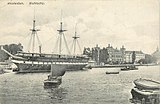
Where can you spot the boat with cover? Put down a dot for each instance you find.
(28, 62)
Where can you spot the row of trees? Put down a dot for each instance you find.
(11, 48)
(148, 59)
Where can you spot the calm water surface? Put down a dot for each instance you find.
(78, 87)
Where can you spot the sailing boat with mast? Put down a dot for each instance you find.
(41, 62)
(55, 77)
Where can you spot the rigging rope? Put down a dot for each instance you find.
(79, 46)
(39, 42)
(72, 46)
(65, 43)
(55, 47)
(29, 44)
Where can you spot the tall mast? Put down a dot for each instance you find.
(75, 37)
(75, 41)
(61, 35)
(34, 35)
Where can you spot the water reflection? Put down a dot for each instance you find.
(58, 93)
(78, 87)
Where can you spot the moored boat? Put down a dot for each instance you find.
(112, 72)
(147, 84)
(145, 96)
(130, 67)
(28, 62)
(146, 91)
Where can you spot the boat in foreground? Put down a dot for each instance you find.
(147, 84)
(55, 77)
(53, 82)
(146, 91)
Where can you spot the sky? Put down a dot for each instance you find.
(132, 23)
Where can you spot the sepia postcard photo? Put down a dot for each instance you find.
(79, 51)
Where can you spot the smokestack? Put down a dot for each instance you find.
(39, 49)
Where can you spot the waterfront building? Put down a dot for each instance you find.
(128, 56)
(115, 55)
(100, 56)
(110, 55)
(138, 55)
(123, 54)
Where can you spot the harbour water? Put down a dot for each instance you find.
(78, 87)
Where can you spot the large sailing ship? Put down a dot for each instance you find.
(41, 62)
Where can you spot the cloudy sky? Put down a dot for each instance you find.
(132, 23)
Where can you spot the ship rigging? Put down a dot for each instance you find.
(41, 62)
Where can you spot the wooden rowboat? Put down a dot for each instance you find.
(147, 84)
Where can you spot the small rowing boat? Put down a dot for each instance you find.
(147, 84)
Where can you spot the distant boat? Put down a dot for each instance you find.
(112, 72)
(146, 91)
(55, 77)
(130, 67)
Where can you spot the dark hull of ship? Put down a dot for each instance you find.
(35, 68)
(145, 97)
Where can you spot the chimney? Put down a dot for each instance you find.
(109, 45)
(39, 49)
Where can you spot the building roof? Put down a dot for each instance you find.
(136, 52)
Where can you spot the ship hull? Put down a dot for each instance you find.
(35, 68)
(54, 83)
(145, 96)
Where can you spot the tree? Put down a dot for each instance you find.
(104, 55)
(87, 52)
(3, 55)
(11, 48)
(14, 48)
(133, 57)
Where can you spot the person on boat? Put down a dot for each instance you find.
(59, 78)
(49, 77)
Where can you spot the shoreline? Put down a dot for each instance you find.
(120, 66)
